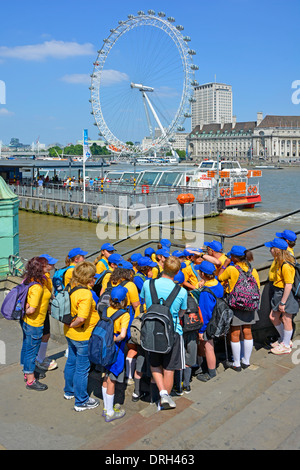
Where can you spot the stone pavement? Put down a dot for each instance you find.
(258, 408)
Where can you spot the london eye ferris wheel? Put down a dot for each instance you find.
(142, 84)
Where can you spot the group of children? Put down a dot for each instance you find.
(125, 279)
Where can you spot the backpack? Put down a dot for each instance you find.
(192, 319)
(58, 280)
(13, 306)
(245, 294)
(135, 327)
(296, 283)
(105, 297)
(61, 305)
(98, 284)
(102, 349)
(157, 328)
(221, 318)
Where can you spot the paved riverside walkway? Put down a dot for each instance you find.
(258, 408)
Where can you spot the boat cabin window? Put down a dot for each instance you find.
(127, 178)
(207, 165)
(169, 179)
(113, 177)
(149, 177)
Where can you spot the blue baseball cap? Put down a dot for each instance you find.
(206, 267)
(76, 251)
(149, 251)
(186, 252)
(163, 252)
(165, 242)
(237, 250)
(287, 235)
(179, 278)
(277, 243)
(146, 261)
(135, 257)
(214, 245)
(182, 265)
(108, 247)
(49, 258)
(118, 293)
(178, 253)
(114, 258)
(124, 264)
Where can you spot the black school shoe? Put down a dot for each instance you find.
(36, 385)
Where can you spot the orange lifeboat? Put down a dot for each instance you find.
(185, 198)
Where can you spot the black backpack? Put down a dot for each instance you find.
(157, 328)
(220, 321)
(296, 284)
(98, 284)
(105, 297)
(192, 319)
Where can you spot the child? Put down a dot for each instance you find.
(115, 373)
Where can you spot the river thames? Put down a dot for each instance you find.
(279, 191)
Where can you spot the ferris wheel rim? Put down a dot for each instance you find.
(174, 32)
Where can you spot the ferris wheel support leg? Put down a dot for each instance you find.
(155, 115)
(147, 115)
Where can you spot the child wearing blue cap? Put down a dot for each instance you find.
(242, 319)
(115, 372)
(290, 237)
(215, 254)
(161, 255)
(283, 303)
(207, 302)
(192, 279)
(101, 262)
(75, 256)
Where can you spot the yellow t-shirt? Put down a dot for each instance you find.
(82, 306)
(38, 297)
(68, 274)
(231, 275)
(190, 276)
(133, 293)
(100, 266)
(119, 323)
(283, 275)
(156, 270)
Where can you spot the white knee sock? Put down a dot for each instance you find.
(104, 398)
(110, 404)
(236, 352)
(130, 367)
(248, 346)
(287, 335)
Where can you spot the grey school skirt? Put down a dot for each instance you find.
(291, 306)
(242, 317)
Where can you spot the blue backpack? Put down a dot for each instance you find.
(102, 348)
(13, 306)
(58, 280)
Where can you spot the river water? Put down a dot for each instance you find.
(280, 192)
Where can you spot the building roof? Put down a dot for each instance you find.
(228, 128)
(280, 121)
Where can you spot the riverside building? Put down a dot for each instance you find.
(272, 136)
(212, 103)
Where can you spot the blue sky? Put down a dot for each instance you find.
(47, 50)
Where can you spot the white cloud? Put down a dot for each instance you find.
(109, 77)
(48, 49)
(6, 112)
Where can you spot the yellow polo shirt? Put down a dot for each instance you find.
(68, 274)
(190, 276)
(283, 275)
(133, 293)
(82, 306)
(156, 270)
(121, 322)
(100, 266)
(38, 297)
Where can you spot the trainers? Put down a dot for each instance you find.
(47, 364)
(88, 405)
(36, 385)
(135, 397)
(166, 402)
(177, 390)
(129, 381)
(274, 345)
(117, 414)
(68, 397)
(281, 349)
(188, 388)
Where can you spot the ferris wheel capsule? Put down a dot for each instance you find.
(180, 27)
(161, 14)
(141, 12)
(171, 19)
(151, 12)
